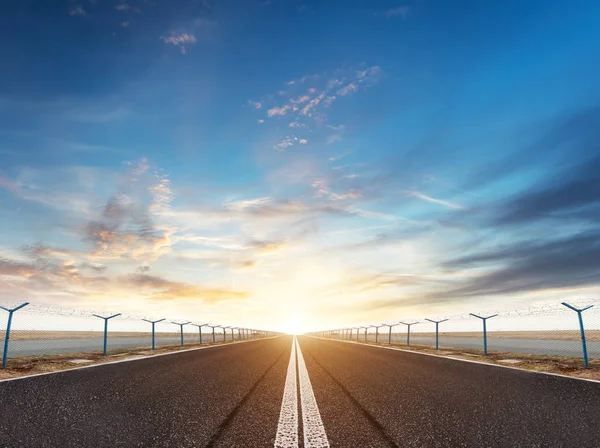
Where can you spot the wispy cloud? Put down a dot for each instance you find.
(424, 197)
(159, 288)
(77, 11)
(126, 7)
(400, 11)
(180, 39)
(310, 96)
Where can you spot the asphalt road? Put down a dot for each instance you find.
(337, 394)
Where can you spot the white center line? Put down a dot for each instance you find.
(287, 429)
(314, 431)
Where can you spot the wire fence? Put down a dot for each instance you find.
(563, 329)
(29, 330)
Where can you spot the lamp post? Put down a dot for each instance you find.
(389, 332)
(377, 327)
(200, 330)
(153, 322)
(365, 328)
(8, 325)
(106, 319)
(484, 319)
(181, 325)
(437, 324)
(225, 333)
(582, 331)
(408, 332)
(213, 331)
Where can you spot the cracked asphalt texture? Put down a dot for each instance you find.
(230, 396)
(424, 401)
(199, 398)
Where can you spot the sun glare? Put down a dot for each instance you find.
(293, 327)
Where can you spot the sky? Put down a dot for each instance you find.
(293, 165)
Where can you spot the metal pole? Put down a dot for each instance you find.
(181, 329)
(437, 323)
(389, 332)
(153, 322)
(199, 330)
(408, 332)
(106, 319)
(8, 325)
(484, 319)
(581, 329)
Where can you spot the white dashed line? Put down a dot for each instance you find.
(287, 429)
(314, 432)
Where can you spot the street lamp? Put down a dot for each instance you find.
(389, 332)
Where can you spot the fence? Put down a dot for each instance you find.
(30, 330)
(560, 329)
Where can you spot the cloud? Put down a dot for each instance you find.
(334, 138)
(159, 288)
(126, 7)
(180, 39)
(350, 88)
(274, 111)
(16, 269)
(255, 104)
(289, 141)
(77, 11)
(574, 193)
(125, 227)
(400, 11)
(267, 247)
(418, 195)
(312, 100)
(529, 266)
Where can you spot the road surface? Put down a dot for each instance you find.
(309, 393)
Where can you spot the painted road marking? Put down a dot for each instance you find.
(287, 428)
(314, 432)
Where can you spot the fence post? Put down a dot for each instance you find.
(377, 327)
(581, 329)
(181, 328)
(389, 332)
(484, 319)
(8, 325)
(437, 323)
(408, 333)
(225, 333)
(153, 323)
(200, 330)
(106, 319)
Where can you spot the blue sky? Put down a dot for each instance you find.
(293, 164)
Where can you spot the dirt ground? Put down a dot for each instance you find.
(31, 365)
(29, 335)
(562, 335)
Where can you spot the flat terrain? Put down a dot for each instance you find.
(365, 396)
(28, 335)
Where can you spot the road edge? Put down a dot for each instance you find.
(132, 359)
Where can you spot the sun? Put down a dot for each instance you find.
(293, 326)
